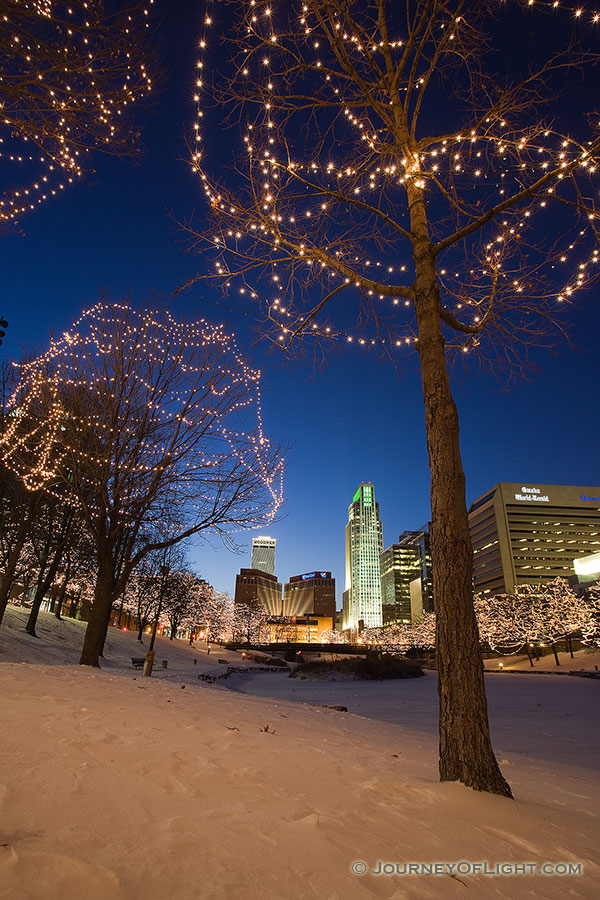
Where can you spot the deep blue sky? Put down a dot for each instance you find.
(356, 419)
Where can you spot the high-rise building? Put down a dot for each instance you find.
(263, 554)
(310, 594)
(406, 590)
(531, 533)
(364, 544)
(254, 587)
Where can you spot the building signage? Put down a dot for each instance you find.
(533, 495)
(593, 499)
(314, 575)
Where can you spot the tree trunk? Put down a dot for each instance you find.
(95, 633)
(466, 752)
(555, 654)
(7, 579)
(43, 585)
(62, 593)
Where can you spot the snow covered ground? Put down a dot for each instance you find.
(119, 787)
(588, 658)
(59, 642)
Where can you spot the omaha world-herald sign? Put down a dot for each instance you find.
(553, 494)
(532, 494)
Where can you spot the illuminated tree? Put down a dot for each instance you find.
(393, 161)
(398, 638)
(70, 75)
(151, 427)
(216, 616)
(331, 636)
(248, 622)
(505, 621)
(18, 511)
(182, 601)
(591, 630)
(139, 596)
(544, 613)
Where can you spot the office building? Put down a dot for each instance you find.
(364, 545)
(406, 589)
(310, 594)
(263, 554)
(254, 587)
(531, 533)
(299, 629)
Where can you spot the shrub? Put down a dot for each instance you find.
(375, 668)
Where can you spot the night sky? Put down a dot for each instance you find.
(357, 418)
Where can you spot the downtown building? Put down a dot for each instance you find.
(254, 588)
(364, 545)
(406, 586)
(311, 594)
(531, 533)
(263, 554)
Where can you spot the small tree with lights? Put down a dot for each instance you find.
(387, 164)
(71, 73)
(249, 622)
(591, 630)
(151, 427)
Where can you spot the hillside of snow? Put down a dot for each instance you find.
(120, 787)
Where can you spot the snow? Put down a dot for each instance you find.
(119, 787)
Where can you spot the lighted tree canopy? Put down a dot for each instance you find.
(69, 74)
(425, 163)
(151, 428)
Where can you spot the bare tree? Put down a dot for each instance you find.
(152, 428)
(56, 527)
(389, 165)
(70, 74)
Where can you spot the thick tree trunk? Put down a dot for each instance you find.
(466, 752)
(95, 633)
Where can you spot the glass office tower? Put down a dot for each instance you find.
(364, 544)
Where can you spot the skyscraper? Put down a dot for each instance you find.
(406, 588)
(364, 544)
(263, 554)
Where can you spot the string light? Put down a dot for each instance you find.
(68, 77)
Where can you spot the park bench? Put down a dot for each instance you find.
(138, 661)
